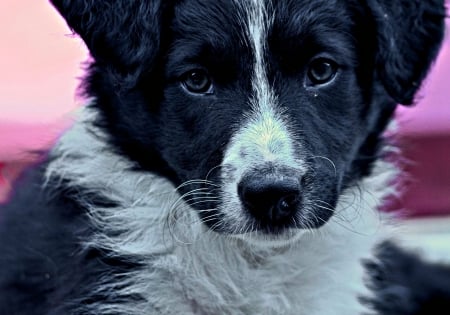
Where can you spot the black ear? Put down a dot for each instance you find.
(121, 35)
(410, 33)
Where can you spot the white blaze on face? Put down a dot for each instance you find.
(264, 136)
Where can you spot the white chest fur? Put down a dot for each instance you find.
(191, 270)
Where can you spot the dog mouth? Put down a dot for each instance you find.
(269, 204)
(283, 237)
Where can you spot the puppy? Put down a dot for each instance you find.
(231, 159)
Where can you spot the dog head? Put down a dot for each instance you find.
(262, 112)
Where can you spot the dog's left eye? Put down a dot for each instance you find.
(321, 71)
(197, 82)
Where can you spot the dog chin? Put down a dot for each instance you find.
(261, 239)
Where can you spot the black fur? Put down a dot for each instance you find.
(44, 267)
(401, 56)
(142, 49)
(407, 285)
(140, 98)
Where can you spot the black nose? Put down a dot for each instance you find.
(270, 199)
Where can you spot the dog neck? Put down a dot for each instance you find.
(151, 223)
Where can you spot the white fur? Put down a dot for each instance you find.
(191, 270)
(264, 137)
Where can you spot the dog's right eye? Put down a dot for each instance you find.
(321, 71)
(197, 82)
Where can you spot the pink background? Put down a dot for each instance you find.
(40, 63)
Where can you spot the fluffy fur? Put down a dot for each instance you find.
(216, 274)
(231, 161)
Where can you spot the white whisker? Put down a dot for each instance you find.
(328, 160)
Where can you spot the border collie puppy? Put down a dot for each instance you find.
(230, 161)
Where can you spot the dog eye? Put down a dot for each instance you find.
(197, 82)
(321, 71)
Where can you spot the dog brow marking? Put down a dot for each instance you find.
(258, 25)
(264, 136)
(267, 129)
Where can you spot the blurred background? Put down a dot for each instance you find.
(40, 64)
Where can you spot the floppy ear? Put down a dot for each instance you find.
(409, 36)
(121, 35)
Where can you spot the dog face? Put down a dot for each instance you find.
(262, 112)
